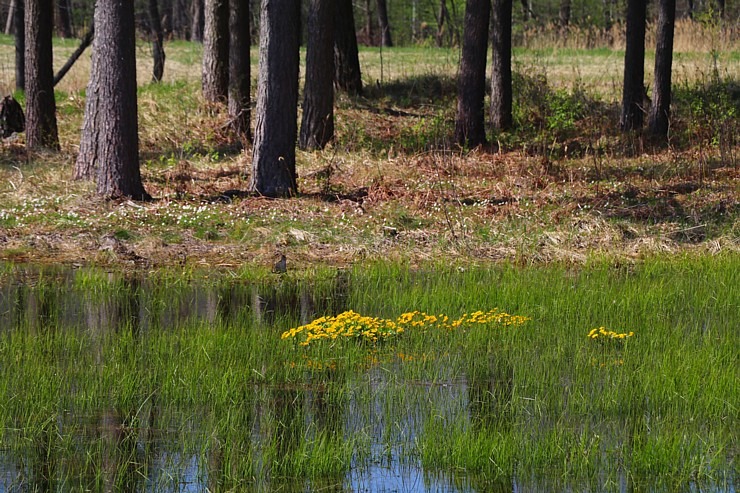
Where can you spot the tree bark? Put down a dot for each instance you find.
(470, 127)
(385, 27)
(41, 120)
(273, 159)
(157, 41)
(216, 51)
(239, 69)
(19, 27)
(317, 125)
(109, 149)
(501, 88)
(347, 75)
(634, 67)
(660, 109)
(197, 21)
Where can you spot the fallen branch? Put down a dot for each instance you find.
(84, 43)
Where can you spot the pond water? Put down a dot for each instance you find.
(373, 419)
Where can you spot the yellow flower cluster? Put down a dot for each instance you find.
(603, 333)
(350, 324)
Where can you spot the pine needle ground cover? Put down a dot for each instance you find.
(587, 378)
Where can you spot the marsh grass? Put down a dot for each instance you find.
(227, 394)
(221, 398)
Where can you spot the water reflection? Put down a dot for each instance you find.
(147, 445)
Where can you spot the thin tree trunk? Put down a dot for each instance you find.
(501, 84)
(41, 120)
(273, 160)
(216, 51)
(634, 67)
(443, 16)
(470, 127)
(9, 20)
(385, 27)
(369, 22)
(19, 26)
(347, 75)
(239, 69)
(64, 17)
(197, 17)
(660, 109)
(317, 124)
(564, 13)
(84, 43)
(157, 41)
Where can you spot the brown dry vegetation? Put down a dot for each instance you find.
(565, 186)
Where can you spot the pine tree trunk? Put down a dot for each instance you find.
(470, 127)
(501, 88)
(19, 27)
(41, 120)
(661, 107)
(634, 67)
(239, 69)
(157, 41)
(347, 75)
(216, 51)
(317, 125)
(273, 160)
(109, 149)
(385, 27)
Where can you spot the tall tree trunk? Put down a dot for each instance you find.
(109, 148)
(317, 124)
(157, 41)
(239, 69)
(347, 75)
(19, 26)
(64, 12)
(660, 109)
(470, 127)
(501, 88)
(634, 67)
(197, 17)
(385, 27)
(216, 51)
(273, 160)
(41, 120)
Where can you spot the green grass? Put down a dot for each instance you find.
(93, 362)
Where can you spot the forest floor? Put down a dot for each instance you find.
(565, 185)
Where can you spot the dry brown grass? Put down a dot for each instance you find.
(391, 187)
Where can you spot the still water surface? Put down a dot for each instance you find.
(155, 448)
